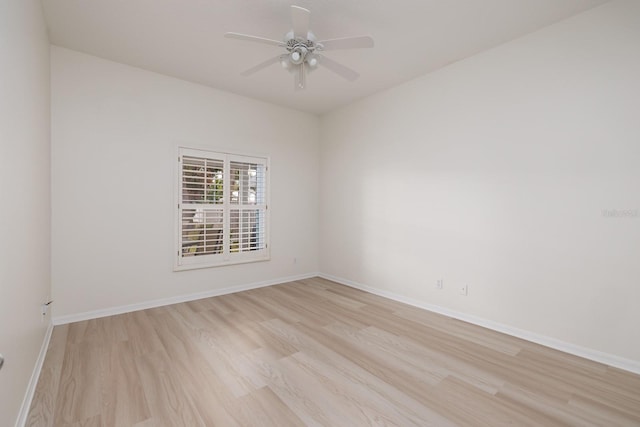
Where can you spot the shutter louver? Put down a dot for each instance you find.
(247, 182)
(202, 180)
(222, 209)
(201, 232)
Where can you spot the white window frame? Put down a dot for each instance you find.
(227, 257)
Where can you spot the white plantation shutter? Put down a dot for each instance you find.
(248, 206)
(201, 207)
(222, 209)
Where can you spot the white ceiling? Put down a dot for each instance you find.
(184, 39)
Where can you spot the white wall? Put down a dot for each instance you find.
(24, 196)
(115, 130)
(494, 172)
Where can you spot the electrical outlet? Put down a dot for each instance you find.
(440, 284)
(464, 290)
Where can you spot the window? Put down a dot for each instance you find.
(222, 209)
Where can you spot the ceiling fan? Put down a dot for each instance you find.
(303, 50)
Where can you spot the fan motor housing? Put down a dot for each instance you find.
(292, 41)
(299, 48)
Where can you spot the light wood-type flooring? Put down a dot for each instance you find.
(314, 352)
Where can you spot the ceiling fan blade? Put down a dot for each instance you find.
(300, 80)
(300, 19)
(338, 68)
(347, 43)
(261, 65)
(257, 39)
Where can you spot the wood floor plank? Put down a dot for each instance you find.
(79, 392)
(431, 362)
(214, 348)
(164, 392)
(140, 333)
(313, 352)
(263, 407)
(370, 407)
(123, 397)
(472, 406)
(559, 410)
(44, 402)
(387, 352)
(462, 330)
(350, 367)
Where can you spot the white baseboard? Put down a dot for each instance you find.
(95, 314)
(587, 353)
(33, 382)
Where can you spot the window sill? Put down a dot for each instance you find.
(214, 264)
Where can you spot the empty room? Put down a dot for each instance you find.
(319, 213)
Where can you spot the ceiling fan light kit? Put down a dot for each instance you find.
(302, 50)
